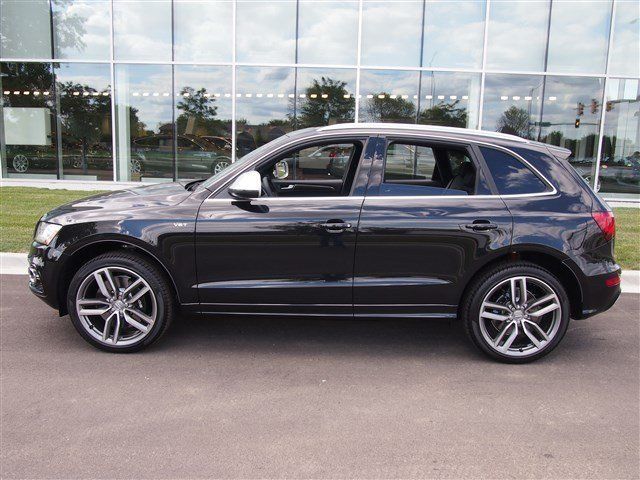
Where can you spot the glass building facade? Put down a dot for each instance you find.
(156, 90)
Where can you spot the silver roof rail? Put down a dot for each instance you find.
(422, 128)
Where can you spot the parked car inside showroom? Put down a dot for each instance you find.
(490, 229)
(153, 156)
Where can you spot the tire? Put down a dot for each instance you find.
(20, 163)
(219, 165)
(520, 331)
(118, 321)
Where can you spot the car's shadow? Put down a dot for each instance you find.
(318, 335)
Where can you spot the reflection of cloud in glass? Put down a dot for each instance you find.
(215, 80)
(625, 47)
(92, 17)
(252, 80)
(142, 30)
(93, 75)
(203, 30)
(265, 31)
(391, 33)
(578, 36)
(453, 34)
(328, 32)
(153, 111)
(503, 92)
(517, 35)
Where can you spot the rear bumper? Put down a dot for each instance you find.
(597, 295)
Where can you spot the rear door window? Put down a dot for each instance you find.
(511, 176)
(414, 169)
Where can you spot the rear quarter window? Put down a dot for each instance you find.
(511, 176)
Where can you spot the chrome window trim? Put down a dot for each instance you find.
(425, 135)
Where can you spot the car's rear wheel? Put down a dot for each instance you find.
(20, 163)
(119, 302)
(220, 165)
(516, 312)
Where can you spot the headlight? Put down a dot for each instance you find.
(45, 232)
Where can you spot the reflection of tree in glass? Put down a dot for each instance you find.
(199, 113)
(515, 121)
(382, 108)
(325, 104)
(82, 112)
(448, 114)
(69, 27)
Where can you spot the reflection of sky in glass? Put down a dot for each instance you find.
(502, 92)
(202, 30)
(96, 76)
(26, 29)
(265, 31)
(142, 30)
(328, 32)
(94, 18)
(562, 95)
(306, 76)
(391, 33)
(263, 93)
(517, 35)
(395, 84)
(215, 80)
(625, 47)
(579, 35)
(453, 34)
(146, 88)
(460, 90)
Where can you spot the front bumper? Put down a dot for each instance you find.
(44, 267)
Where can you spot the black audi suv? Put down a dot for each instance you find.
(412, 221)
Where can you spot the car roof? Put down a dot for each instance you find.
(456, 132)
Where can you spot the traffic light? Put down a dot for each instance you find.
(594, 106)
(580, 109)
(609, 106)
(577, 123)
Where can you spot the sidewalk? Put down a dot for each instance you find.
(16, 264)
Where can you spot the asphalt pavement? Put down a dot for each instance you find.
(314, 398)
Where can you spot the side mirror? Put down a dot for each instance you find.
(246, 186)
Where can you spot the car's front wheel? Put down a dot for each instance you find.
(516, 312)
(119, 302)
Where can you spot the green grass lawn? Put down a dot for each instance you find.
(20, 209)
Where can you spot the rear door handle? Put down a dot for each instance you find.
(481, 226)
(335, 227)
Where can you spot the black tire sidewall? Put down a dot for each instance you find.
(140, 267)
(488, 282)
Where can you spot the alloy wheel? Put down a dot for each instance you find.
(116, 306)
(520, 316)
(135, 165)
(218, 167)
(20, 163)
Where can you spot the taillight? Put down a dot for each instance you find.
(612, 281)
(606, 222)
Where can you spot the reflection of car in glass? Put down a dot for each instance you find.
(620, 174)
(197, 156)
(43, 159)
(492, 229)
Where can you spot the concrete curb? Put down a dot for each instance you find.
(16, 264)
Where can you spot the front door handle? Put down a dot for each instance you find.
(481, 226)
(335, 226)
